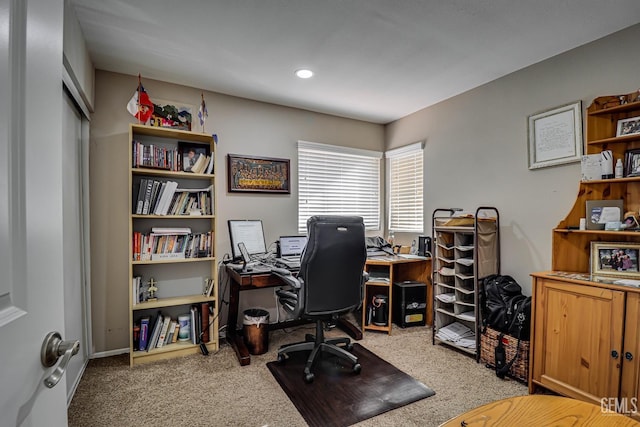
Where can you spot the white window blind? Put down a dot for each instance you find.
(335, 180)
(405, 166)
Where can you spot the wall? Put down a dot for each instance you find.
(476, 145)
(243, 127)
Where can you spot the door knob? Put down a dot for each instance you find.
(52, 348)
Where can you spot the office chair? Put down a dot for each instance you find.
(329, 284)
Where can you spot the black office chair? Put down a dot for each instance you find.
(329, 284)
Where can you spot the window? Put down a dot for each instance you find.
(405, 167)
(335, 180)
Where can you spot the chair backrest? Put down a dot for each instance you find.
(332, 264)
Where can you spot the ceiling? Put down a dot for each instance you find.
(374, 60)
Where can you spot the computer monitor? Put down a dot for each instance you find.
(292, 245)
(248, 231)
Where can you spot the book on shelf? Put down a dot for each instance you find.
(200, 164)
(147, 197)
(162, 206)
(209, 170)
(204, 321)
(141, 193)
(171, 230)
(169, 337)
(163, 331)
(155, 331)
(144, 333)
(136, 284)
(208, 287)
(176, 332)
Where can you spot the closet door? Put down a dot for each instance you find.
(75, 284)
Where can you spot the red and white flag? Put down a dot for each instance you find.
(140, 106)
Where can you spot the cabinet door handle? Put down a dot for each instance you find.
(614, 354)
(628, 356)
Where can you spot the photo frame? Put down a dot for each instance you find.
(250, 174)
(632, 162)
(615, 259)
(171, 114)
(599, 212)
(189, 153)
(630, 126)
(555, 136)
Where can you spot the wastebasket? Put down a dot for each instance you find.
(256, 330)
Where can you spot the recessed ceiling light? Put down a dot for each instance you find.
(303, 73)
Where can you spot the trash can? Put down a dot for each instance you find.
(256, 330)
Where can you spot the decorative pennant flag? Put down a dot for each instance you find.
(140, 106)
(202, 112)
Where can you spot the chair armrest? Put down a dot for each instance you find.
(287, 277)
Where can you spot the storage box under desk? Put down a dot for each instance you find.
(409, 303)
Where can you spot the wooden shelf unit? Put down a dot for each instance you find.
(585, 339)
(180, 281)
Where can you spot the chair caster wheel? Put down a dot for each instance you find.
(308, 378)
(281, 358)
(357, 368)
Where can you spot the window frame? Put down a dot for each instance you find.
(340, 157)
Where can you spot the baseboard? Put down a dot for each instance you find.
(109, 353)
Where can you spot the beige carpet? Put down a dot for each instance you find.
(216, 391)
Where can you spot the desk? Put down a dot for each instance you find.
(540, 410)
(242, 281)
(395, 269)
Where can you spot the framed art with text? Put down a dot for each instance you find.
(555, 136)
(250, 174)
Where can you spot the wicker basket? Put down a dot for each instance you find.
(488, 343)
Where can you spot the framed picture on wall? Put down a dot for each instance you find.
(555, 136)
(250, 174)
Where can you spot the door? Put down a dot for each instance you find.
(31, 227)
(578, 339)
(75, 286)
(630, 357)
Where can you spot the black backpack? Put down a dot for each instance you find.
(504, 307)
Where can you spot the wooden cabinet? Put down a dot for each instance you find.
(465, 251)
(585, 339)
(180, 275)
(384, 272)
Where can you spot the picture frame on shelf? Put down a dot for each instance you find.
(251, 174)
(632, 162)
(599, 212)
(171, 114)
(629, 126)
(619, 259)
(555, 136)
(189, 154)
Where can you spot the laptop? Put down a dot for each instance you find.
(290, 250)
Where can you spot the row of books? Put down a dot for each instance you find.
(159, 245)
(161, 330)
(153, 156)
(165, 198)
(203, 164)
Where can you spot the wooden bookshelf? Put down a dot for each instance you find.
(180, 281)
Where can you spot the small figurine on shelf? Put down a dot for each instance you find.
(152, 290)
